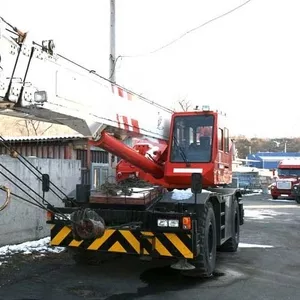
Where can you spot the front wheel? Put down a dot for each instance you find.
(206, 261)
(274, 197)
(297, 199)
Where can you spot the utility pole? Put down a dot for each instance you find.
(112, 56)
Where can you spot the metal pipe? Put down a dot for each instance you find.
(116, 147)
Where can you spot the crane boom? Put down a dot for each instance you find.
(37, 83)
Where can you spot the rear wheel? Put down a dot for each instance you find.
(231, 245)
(275, 197)
(206, 261)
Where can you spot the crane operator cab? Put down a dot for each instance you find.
(192, 138)
(199, 143)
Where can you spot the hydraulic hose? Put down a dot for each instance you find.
(7, 200)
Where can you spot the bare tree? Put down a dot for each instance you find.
(184, 104)
(31, 127)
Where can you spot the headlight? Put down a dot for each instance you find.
(173, 223)
(162, 223)
(40, 97)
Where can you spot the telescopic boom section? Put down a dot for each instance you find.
(121, 150)
(37, 83)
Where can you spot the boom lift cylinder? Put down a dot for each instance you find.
(114, 146)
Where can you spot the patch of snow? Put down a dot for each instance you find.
(250, 194)
(245, 245)
(145, 189)
(261, 214)
(181, 194)
(41, 246)
(184, 194)
(281, 200)
(260, 206)
(253, 192)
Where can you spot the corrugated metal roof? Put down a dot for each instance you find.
(277, 158)
(42, 138)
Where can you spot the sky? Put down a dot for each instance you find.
(246, 64)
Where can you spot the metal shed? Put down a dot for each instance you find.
(96, 163)
(269, 160)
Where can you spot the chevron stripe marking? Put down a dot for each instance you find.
(147, 233)
(75, 243)
(117, 247)
(61, 235)
(180, 246)
(126, 241)
(131, 239)
(100, 241)
(161, 249)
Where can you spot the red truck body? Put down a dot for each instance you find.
(288, 176)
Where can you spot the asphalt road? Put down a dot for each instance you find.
(266, 266)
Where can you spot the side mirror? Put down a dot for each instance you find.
(196, 183)
(45, 182)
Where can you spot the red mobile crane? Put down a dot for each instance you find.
(179, 153)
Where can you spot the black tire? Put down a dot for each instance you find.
(297, 199)
(274, 197)
(206, 261)
(89, 257)
(232, 244)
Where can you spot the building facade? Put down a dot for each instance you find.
(269, 160)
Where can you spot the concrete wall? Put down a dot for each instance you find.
(21, 221)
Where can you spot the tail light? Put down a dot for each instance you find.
(49, 215)
(186, 223)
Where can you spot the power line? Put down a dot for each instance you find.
(181, 36)
(200, 26)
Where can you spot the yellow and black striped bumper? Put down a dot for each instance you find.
(128, 241)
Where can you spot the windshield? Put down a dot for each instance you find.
(289, 172)
(192, 138)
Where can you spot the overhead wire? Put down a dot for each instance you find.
(14, 153)
(180, 37)
(34, 201)
(33, 169)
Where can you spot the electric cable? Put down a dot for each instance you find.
(33, 169)
(180, 37)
